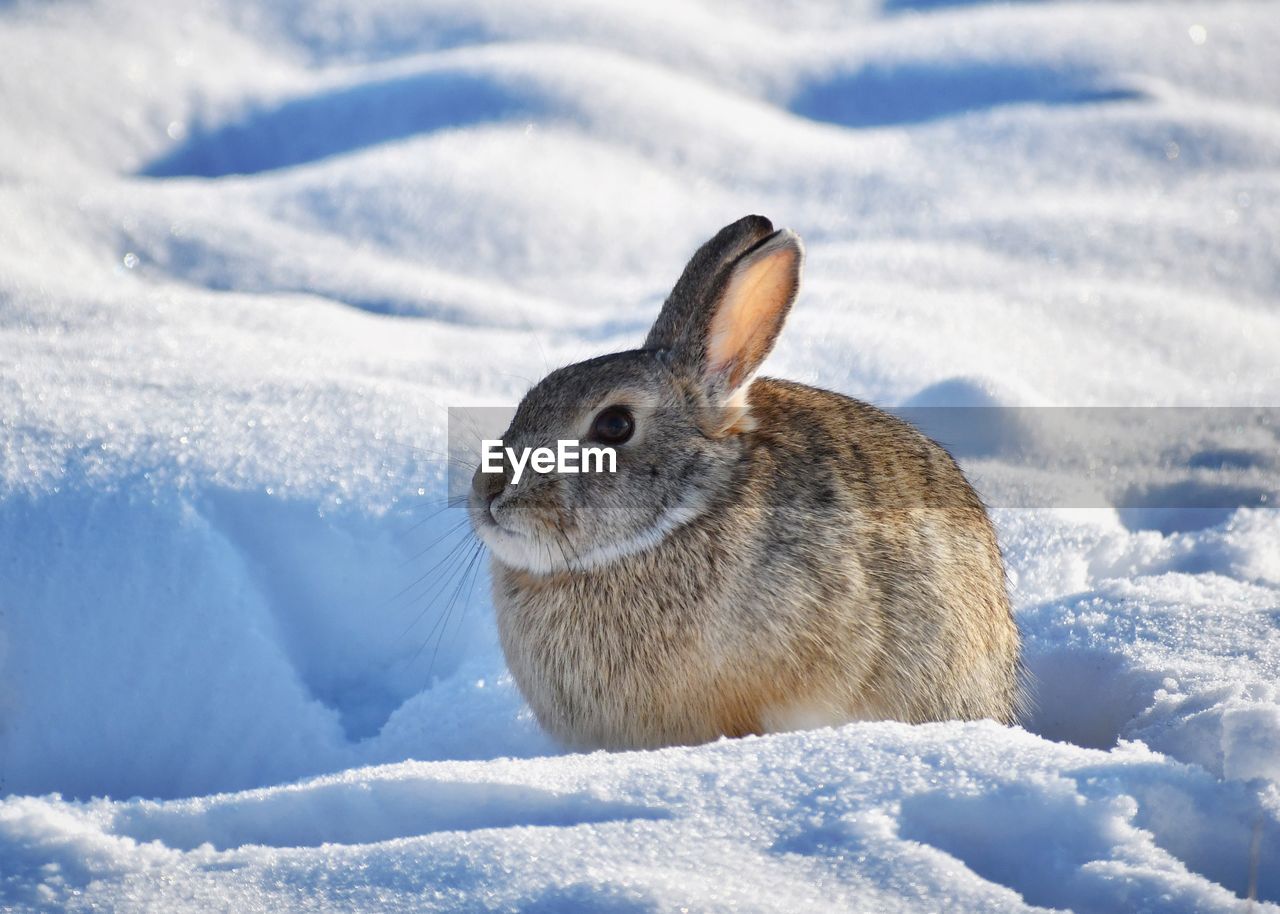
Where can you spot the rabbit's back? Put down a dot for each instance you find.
(924, 568)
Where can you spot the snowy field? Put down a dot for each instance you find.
(251, 252)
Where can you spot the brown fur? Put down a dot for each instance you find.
(836, 565)
(718, 627)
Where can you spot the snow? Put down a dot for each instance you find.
(250, 254)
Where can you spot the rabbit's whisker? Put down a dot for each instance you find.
(413, 585)
(442, 619)
(450, 531)
(439, 584)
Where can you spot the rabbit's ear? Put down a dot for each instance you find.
(748, 314)
(684, 317)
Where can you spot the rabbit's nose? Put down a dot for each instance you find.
(490, 485)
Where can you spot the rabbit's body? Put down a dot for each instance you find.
(767, 555)
(741, 622)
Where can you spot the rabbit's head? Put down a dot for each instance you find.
(673, 412)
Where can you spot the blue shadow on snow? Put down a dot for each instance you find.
(882, 96)
(317, 126)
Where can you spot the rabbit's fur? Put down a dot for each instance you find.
(767, 555)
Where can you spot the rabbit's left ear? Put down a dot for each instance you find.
(747, 315)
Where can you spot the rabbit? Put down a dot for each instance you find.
(766, 556)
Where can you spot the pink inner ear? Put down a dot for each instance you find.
(746, 321)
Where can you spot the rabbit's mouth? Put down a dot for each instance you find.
(542, 546)
(510, 536)
(526, 550)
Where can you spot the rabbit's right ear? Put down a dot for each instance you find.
(684, 315)
(724, 315)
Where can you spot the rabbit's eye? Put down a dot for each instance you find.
(614, 425)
